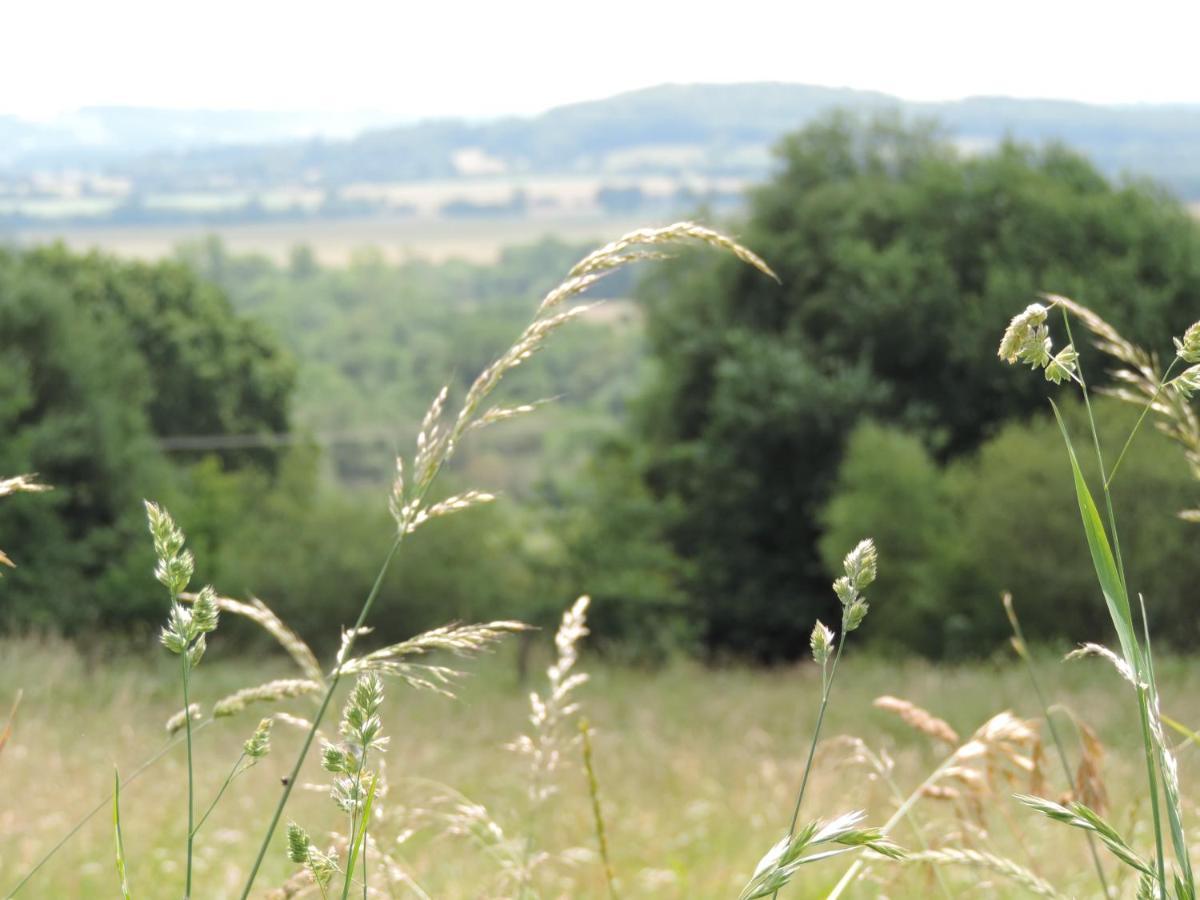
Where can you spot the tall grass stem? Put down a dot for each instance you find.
(311, 734)
(187, 719)
(1143, 710)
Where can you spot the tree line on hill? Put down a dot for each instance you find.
(714, 451)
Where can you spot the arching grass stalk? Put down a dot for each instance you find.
(1022, 650)
(860, 567)
(992, 742)
(437, 441)
(257, 747)
(309, 736)
(884, 771)
(1141, 418)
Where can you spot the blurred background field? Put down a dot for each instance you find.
(695, 765)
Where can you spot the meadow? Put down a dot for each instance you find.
(559, 772)
(696, 767)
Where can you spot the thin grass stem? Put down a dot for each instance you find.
(1138, 424)
(362, 761)
(826, 690)
(187, 719)
(103, 804)
(1023, 652)
(901, 813)
(311, 734)
(121, 875)
(233, 773)
(585, 732)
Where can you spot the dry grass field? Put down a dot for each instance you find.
(335, 242)
(696, 767)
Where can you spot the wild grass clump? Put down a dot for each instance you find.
(1027, 340)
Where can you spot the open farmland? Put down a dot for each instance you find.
(336, 242)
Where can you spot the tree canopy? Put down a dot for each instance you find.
(100, 360)
(901, 260)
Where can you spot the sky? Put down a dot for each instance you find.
(430, 58)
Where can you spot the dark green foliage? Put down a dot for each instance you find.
(98, 361)
(378, 341)
(311, 550)
(889, 487)
(1003, 519)
(901, 263)
(614, 550)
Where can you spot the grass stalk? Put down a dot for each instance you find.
(1170, 786)
(191, 832)
(311, 734)
(362, 761)
(901, 812)
(233, 773)
(1022, 650)
(117, 831)
(918, 832)
(1137, 662)
(585, 732)
(1138, 424)
(826, 690)
(91, 814)
(358, 839)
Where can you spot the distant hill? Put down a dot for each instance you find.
(714, 128)
(103, 134)
(157, 165)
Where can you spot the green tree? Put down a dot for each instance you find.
(99, 360)
(1001, 519)
(901, 260)
(890, 487)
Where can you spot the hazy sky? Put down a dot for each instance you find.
(417, 58)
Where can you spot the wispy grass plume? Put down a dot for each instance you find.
(440, 433)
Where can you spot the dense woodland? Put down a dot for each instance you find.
(714, 440)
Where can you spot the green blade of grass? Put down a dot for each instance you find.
(1180, 728)
(117, 829)
(1103, 561)
(1170, 776)
(357, 843)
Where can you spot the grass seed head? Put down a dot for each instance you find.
(279, 689)
(259, 743)
(821, 643)
(861, 564)
(1188, 347)
(920, 719)
(1187, 382)
(178, 720)
(1026, 338)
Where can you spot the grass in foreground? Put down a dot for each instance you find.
(692, 765)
